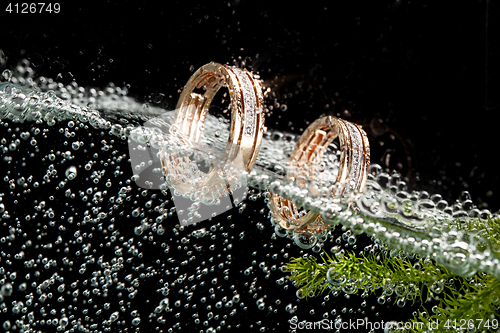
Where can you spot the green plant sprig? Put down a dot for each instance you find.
(368, 273)
(473, 301)
(476, 309)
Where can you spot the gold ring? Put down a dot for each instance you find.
(351, 177)
(247, 121)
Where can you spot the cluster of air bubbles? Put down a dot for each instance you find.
(86, 249)
(388, 195)
(409, 220)
(193, 170)
(83, 247)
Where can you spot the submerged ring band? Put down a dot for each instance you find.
(352, 174)
(247, 117)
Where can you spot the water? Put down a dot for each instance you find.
(83, 248)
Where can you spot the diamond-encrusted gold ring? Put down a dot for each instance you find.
(247, 118)
(351, 177)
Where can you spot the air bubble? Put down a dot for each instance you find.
(7, 289)
(7, 75)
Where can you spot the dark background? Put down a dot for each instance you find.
(422, 78)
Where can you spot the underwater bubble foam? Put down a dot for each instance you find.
(84, 248)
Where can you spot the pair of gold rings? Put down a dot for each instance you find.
(245, 137)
